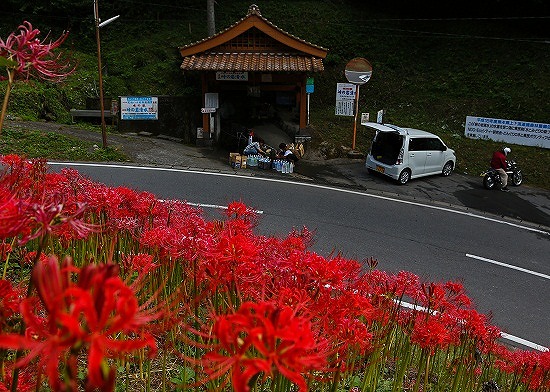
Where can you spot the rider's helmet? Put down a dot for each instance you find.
(506, 150)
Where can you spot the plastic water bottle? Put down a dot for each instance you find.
(291, 167)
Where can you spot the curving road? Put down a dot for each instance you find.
(504, 265)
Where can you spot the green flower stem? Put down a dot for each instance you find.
(403, 365)
(19, 352)
(11, 73)
(8, 256)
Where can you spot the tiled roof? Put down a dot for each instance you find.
(254, 11)
(264, 62)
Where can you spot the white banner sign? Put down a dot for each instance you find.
(509, 131)
(345, 99)
(139, 108)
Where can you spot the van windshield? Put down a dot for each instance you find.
(386, 147)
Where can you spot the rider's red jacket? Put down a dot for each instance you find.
(499, 160)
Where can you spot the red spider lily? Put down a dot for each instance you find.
(24, 178)
(9, 301)
(92, 314)
(264, 338)
(34, 57)
(433, 333)
(238, 210)
(25, 55)
(532, 368)
(143, 263)
(26, 380)
(36, 219)
(12, 216)
(32, 212)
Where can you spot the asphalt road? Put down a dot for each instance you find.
(502, 262)
(524, 204)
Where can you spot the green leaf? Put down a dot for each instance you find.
(5, 62)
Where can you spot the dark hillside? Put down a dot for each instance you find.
(434, 63)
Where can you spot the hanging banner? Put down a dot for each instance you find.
(139, 108)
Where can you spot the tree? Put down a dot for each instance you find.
(25, 56)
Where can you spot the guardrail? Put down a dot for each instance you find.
(89, 113)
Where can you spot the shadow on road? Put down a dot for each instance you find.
(506, 204)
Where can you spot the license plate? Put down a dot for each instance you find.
(380, 169)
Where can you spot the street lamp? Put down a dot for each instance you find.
(99, 24)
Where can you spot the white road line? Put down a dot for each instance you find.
(508, 266)
(201, 205)
(503, 335)
(470, 214)
(215, 206)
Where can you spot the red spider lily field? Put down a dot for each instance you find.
(108, 288)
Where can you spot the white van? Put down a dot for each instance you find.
(406, 153)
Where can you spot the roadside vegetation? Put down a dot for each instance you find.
(111, 289)
(427, 74)
(126, 292)
(52, 145)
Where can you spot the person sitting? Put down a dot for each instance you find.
(287, 154)
(255, 148)
(498, 162)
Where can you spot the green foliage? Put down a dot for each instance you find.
(51, 145)
(427, 74)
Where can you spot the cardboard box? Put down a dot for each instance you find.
(232, 156)
(237, 161)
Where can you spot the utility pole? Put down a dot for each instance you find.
(99, 24)
(210, 17)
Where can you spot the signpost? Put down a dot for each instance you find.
(358, 71)
(310, 87)
(345, 97)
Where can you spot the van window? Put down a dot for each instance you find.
(417, 144)
(434, 144)
(386, 147)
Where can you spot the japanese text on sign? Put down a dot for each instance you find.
(345, 91)
(509, 131)
(345, 99)
(139, 108)
(236, 76)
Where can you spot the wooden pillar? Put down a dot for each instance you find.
(206, 116)
(303, 104)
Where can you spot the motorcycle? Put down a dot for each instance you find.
(491, 177)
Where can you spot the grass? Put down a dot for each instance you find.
(427, 74)
(53, 146)
(473, 155)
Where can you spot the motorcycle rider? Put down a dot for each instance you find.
(498, 162)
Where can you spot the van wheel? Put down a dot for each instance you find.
(404, 177)
(447, 169)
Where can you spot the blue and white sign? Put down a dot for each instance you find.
(509, 131)
(139, 108)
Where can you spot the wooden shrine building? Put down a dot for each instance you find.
(250, 68)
